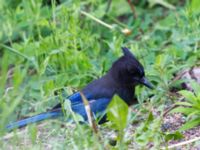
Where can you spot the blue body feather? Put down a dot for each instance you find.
(97, 107)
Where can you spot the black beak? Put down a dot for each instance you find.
(146, 83)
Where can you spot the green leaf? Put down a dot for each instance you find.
(191, 97)
(33, 132)
(117, 113)
(195, 6)
(190, 124)
(174, 136)
(150, 118)
(184, 104)
(194, 113)
(184, 110)
(188, 95)
(195, 87)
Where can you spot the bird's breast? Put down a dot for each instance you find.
(126, 94)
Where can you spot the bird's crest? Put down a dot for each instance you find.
(137, 65)
(127, 52)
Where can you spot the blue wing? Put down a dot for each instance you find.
(97, 107)
(76, 97)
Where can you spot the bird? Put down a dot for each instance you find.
(121, 79)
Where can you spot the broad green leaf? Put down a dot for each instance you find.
(190, 124)
(161, 60)
(184, 110)
(194, 113)
(174, 136)
(195, 87)
(117, 113)
(184, 104)
(188, 95)
(195, 6)
(150, 118)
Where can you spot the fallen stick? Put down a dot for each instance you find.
(181, 143)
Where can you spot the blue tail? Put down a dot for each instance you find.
(97, 107)
(34, 119)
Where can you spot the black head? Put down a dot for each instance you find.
(128, 70)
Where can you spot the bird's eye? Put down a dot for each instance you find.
(130, 70)
(133, 72)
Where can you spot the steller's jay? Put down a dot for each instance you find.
(121, 79)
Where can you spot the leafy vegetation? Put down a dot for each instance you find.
(118, 116)
(48, 46)
(191, 108)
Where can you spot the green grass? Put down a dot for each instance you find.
(45, 48)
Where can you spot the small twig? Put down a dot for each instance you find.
(178, 77)
(97, 20)
(91, 119)
(125, 31)
(172, 107)
(132, 8)
(182, 143)
(163, 3)
(169, 109)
